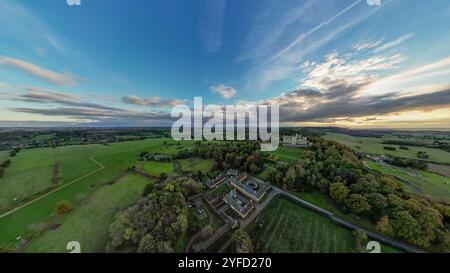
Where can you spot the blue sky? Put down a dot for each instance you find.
(325, 62)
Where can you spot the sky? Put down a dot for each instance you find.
(339, 63)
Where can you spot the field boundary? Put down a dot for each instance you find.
(101, 167)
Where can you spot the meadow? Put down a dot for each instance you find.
(88, 224)
(195, 165)
(116, 159)
(375, 146)
(158, 168)
(287, 154)
(424, 183)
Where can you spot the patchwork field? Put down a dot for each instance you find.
(197, 164)
(116, 159)
(427, 184)
(158, 168)
(288, 154)
(375, 146)
(89, 223)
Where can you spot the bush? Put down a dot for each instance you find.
(63, 207)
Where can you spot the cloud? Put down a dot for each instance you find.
(41, 73)
(153, 102)
(210, 26)
(45, 96)
(366, 45)
(393, 44)
(227, 92)
(303, 36)
(338, 69)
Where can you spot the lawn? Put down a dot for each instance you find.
(288, 154)
(375, 146)
(89, 223)
(158, 168)
(194, 165)
(427, 184)
(116, 158)
(288, 227)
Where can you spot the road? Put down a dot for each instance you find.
(101, 167)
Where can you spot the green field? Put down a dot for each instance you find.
(194, 165)
(4, 155)
(116, 158)
(158, 168)
(375, 146)
(31, 171)
(427, 184)
(89, 223)
(288, 154)
(288, 227)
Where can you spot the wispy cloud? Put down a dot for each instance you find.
(41, 73)
(226, 92)
(366, 45)
(210, 27)
(303, 36)
(393, 43)
(152, 102)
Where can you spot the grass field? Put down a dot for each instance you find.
(158, 168)
(374, 146)
(31, 171)
(288, 154)
(89, 223)
(4, 155)
(116, 158)
(288, 227)
(197, 164)
(427, 184)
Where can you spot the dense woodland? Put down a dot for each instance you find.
(155, 223)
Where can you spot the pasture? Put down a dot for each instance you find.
(288, 154)
(426, 184)
(195, 165)
(88, 224)
(116, 159)
(375, 146)
(158, 168)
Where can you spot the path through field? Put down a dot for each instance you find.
(101, 167)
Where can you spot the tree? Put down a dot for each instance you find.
(358, 204)
(361, 240)
(384, 226)
(63, 207)
(147, 244)
(339, 192)
(242, 241)
(406, 227)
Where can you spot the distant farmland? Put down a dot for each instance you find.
(375, 146)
